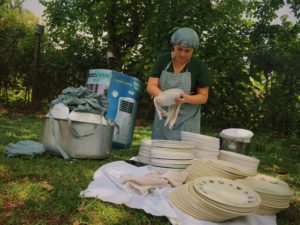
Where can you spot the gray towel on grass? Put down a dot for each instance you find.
(26, 148)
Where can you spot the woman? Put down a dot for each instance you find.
(179, 69)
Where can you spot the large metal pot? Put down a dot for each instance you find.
(77, 139)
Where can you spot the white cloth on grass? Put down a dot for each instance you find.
(108, 187)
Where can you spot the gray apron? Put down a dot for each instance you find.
(188, 118)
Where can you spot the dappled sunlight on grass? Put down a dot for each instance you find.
(95, 211)
(3, 169)
(26, 190)
(15, 129)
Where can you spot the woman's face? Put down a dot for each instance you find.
(182, 54)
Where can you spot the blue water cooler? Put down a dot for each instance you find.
(122, 92)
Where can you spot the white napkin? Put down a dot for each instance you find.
(167, 98)
(153, 179)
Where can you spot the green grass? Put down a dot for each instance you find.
(45, 189)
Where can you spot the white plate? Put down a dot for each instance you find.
(231, 167)
(227, 192)
(143, 159)
(172, 144)
(146, 142)
(164, 169)
(172, 161)
(182, 199)
(168, 165)
(239, 162)
(240, 157)
(207, 148)
(200, 136)
(145, 153)
(171, 155)
(202, 153)
(200, 169)
(268, 185)
(223, 209)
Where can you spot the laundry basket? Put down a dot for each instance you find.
(235, 140)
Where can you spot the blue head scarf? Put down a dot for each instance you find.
(186, 37)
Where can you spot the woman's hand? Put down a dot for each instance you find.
(197, 99)
(183, 98)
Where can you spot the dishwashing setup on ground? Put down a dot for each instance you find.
(198, 180)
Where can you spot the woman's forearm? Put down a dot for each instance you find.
(199, 98)
(152, 87)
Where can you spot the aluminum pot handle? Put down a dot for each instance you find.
(52, 127)
(77, 134)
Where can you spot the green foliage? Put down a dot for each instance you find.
(16, 49)
(253, 62)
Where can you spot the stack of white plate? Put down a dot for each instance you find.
(218, 168)
(215, 199)
(167, 154)
(145, 151)
(205, 146)
(248, 162)
(275, 194)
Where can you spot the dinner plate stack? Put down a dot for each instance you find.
(145, 151)
(218, 168)
(167, 154)
(205, 146)
(248, 162)
(275, 194)
(215, 199)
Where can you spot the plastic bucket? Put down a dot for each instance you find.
(235, 140)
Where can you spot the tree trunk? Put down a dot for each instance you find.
(35, 74)
(113, 56)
